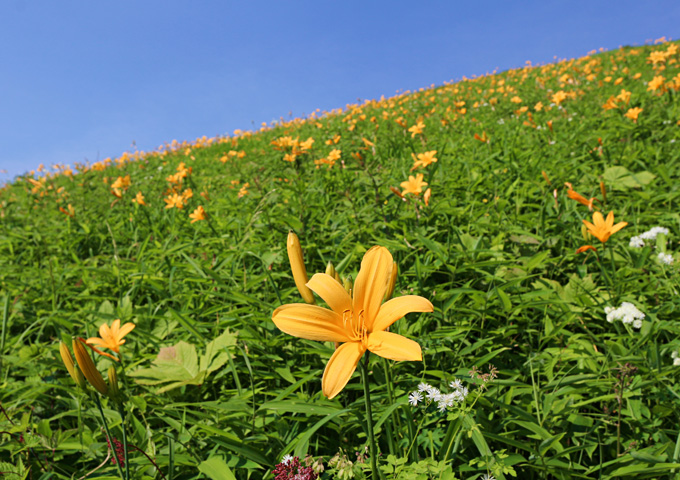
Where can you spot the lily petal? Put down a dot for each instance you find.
(340, 368)
(331, 291)
(310, 322)
(394, 309)
(393, 346)
(94, 341)
(371, 283)
(618, 226)
(104, 330)
(125, 329)
(598, 219)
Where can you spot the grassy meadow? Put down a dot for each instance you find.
(551, 351)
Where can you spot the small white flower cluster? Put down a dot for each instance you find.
(428, 393)
(675, 355)
(627, 313)
(665, 258)
(649, 235)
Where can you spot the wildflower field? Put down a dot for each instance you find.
(471, 281)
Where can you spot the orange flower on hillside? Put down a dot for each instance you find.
(413, 185)
(633, 113)
(112, 337)
(559, 97)
(656, 83)
(174, 201)
(417, 129)
(602, 229)
(139, 199)
(423, 159)
(198, 214)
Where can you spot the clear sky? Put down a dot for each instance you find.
(88, 80)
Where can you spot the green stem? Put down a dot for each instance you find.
(369, 418)
(121, 411)
(108, 435)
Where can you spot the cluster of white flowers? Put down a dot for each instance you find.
(627, 313)
(444, 400)
(675, 355)
(649, 235)
(665, 258)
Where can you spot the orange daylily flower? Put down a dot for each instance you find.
(198, 214)
(602, 229)
(633, 113)
(139, 199)
(357, 321)
(424, 159)
(112, 337)
(413, 185)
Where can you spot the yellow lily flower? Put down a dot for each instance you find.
(358, 321)
(602, 229)
(112, 337)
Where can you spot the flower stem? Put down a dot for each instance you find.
(108, 434)
(369, 418)
(125, 445)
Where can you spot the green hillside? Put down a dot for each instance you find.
(551, 360)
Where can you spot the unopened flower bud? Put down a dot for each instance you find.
(587, 236)
(114, 392)
(89, 370)
(72, 368)
(347, 284)
(297, 266)
(330, 269)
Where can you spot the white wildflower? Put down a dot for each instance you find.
(665, 258)
(636, 242)
(414, 398)
(287, 459)
(649, 236)
(637, 324)
(676, 362)
(627, 313)
(433, 394)
(424, 387)
(456, 384)
(675, 354)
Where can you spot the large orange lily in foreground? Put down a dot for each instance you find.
(358, 321)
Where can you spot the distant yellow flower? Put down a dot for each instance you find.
(633, 113)
(174, 201)
(198, 214)
(334, 155)
(413, 185)
(624, 96)
(416, 129)
(358, 321)
(516, 99)
(139, 199)
(656, 83)
(112, 337)
(559, 97)
(424, 159)
(187, 194)
(602, 229)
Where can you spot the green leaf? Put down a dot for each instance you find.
(216, 469)
(619, 178)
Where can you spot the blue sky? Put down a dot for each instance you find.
(89, 80)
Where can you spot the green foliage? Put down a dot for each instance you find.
(180, 365)
(211, 386)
